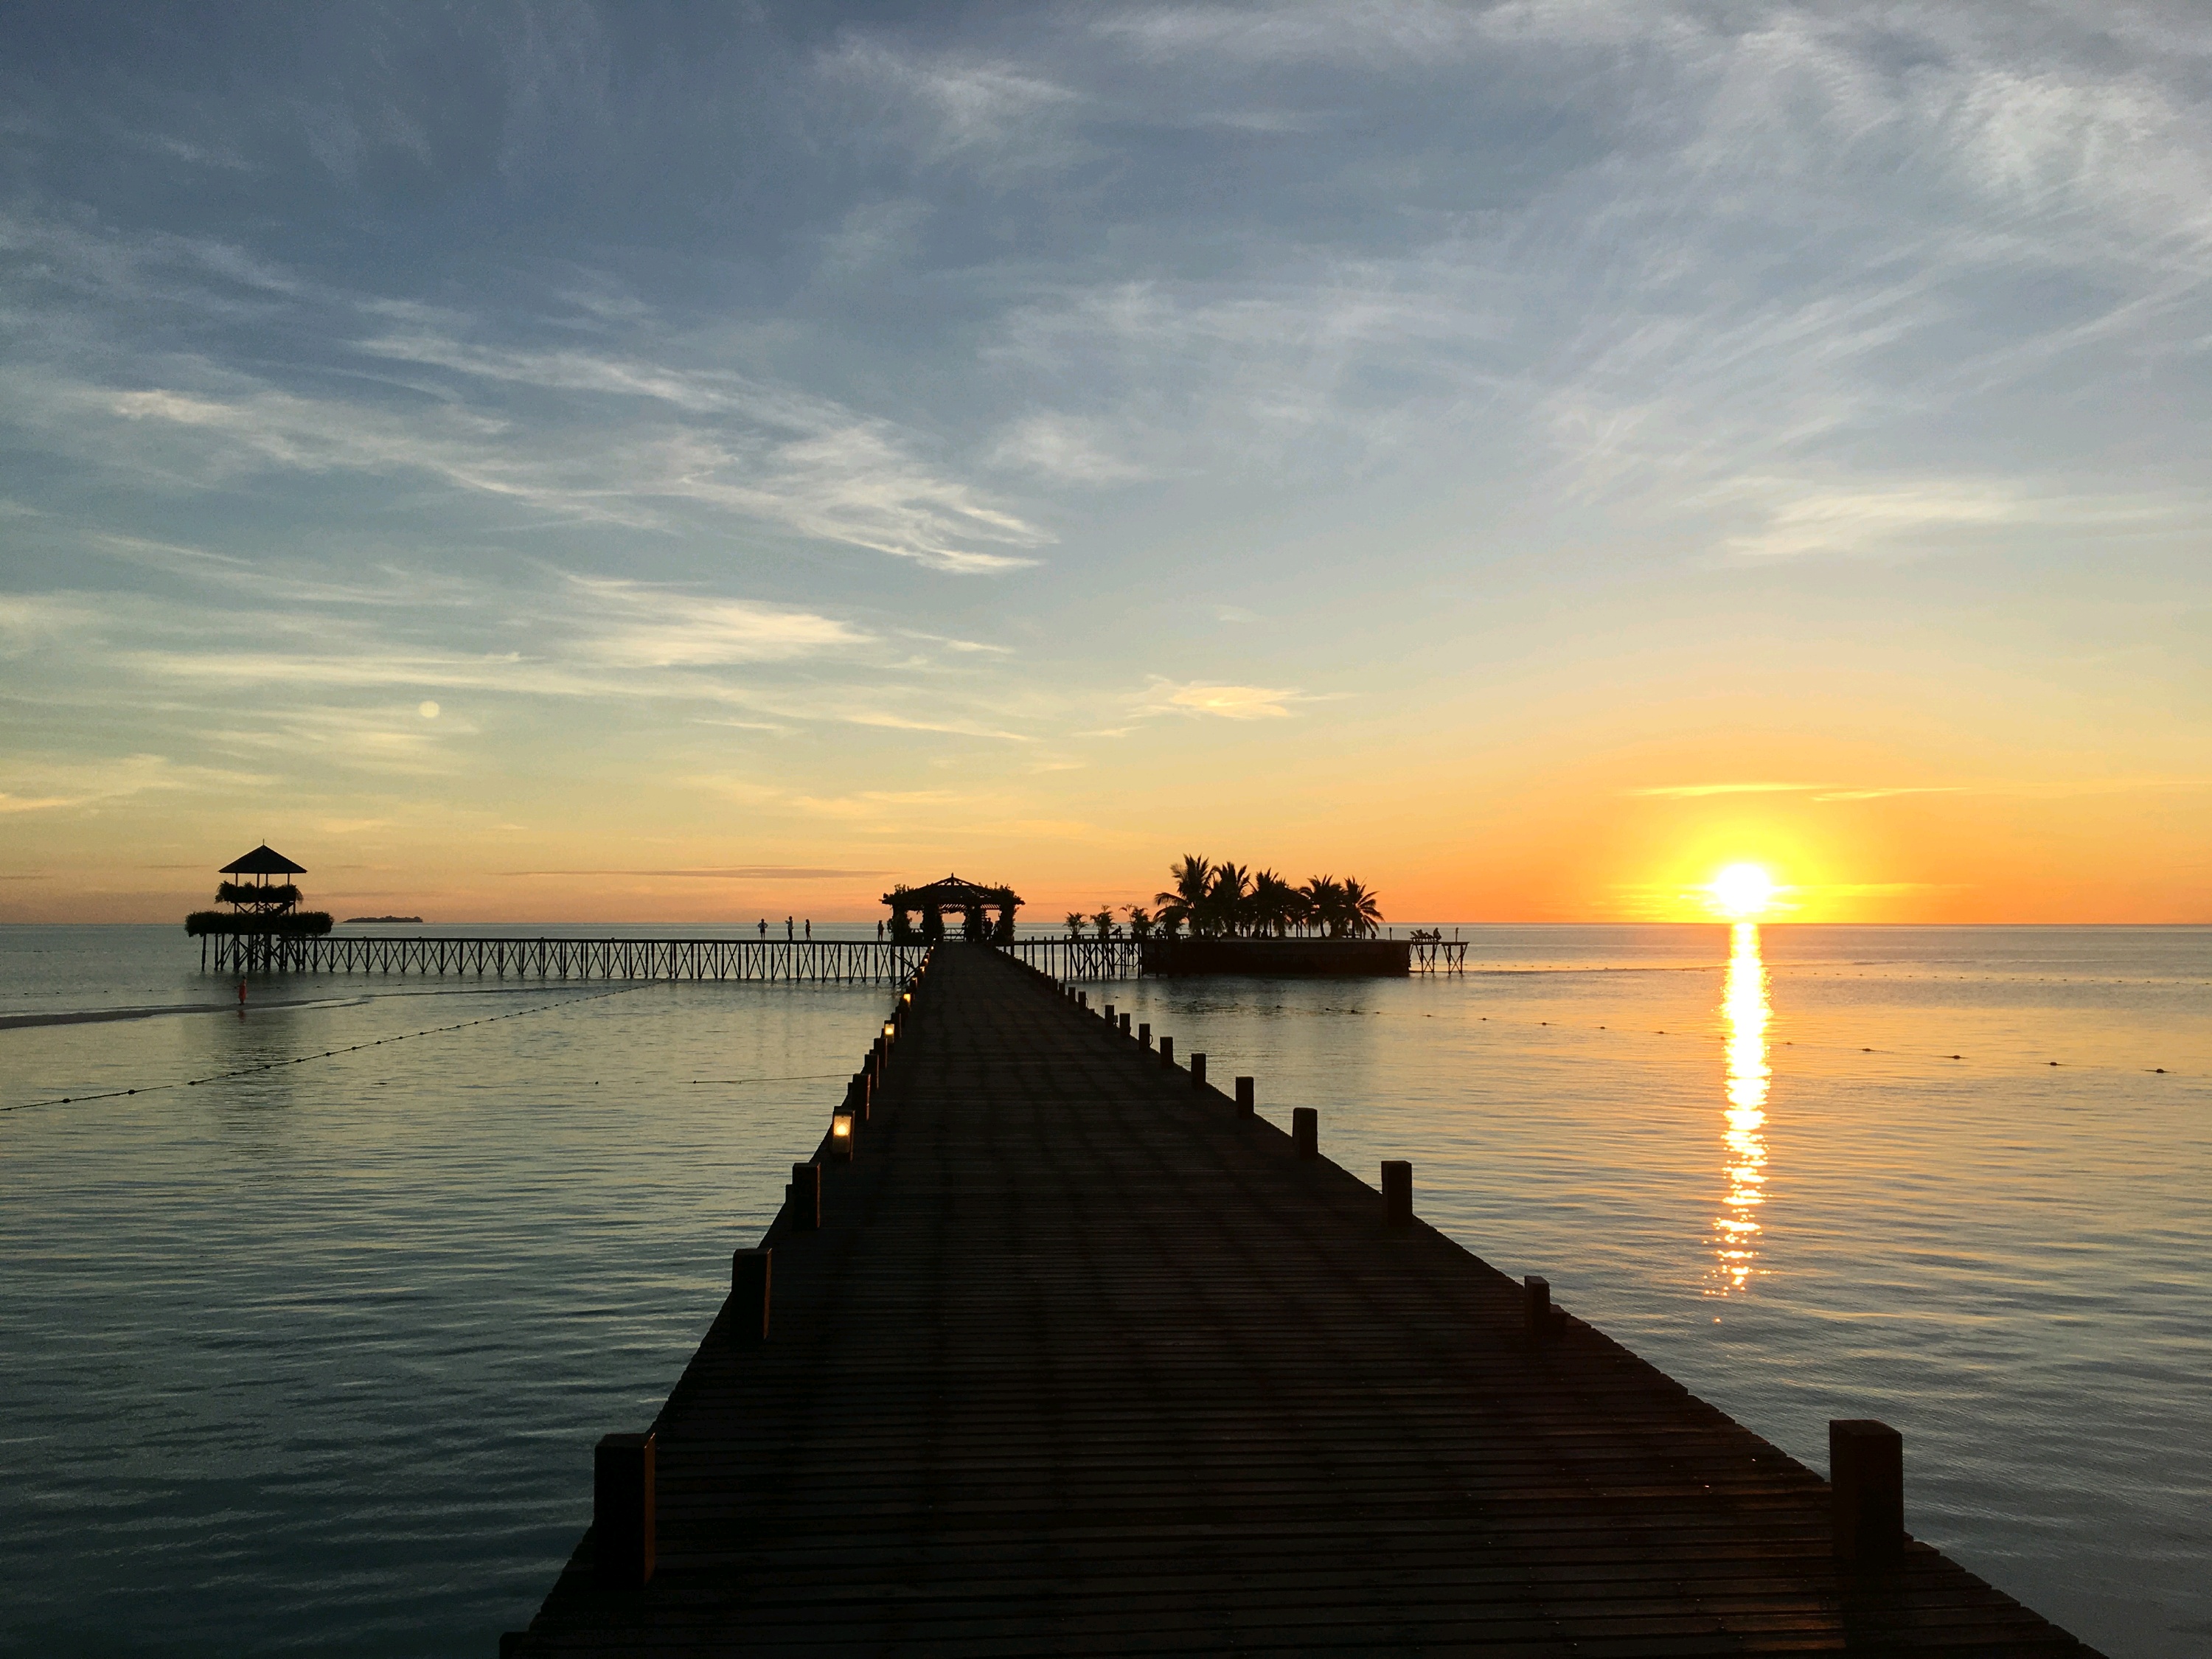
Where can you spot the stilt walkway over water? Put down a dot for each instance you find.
(1083, 1358)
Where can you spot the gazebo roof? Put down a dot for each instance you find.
(952, 891)
(264, 860)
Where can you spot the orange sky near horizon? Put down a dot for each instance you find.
(1601, 840)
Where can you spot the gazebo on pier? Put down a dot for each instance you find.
(973, 901)
(259, 906)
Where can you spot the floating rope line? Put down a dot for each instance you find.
(1832, 1047)
(798, 1076)
(328, 1053)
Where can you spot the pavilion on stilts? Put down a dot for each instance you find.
(975, 903)
(261, 913)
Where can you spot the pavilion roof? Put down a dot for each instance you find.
(264, 860)
(953, 890)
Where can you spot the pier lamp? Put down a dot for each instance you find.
(841, 1134)
(890, 1030)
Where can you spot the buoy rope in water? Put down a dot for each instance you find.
(796, 1077)
(1819, 1047)
(329, 1053)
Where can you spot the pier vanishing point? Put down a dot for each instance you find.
(1054, 1348)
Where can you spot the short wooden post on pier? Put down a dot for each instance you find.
(1397, 1192)
(1082, 998)
(1110, 1014)
(863, 1094)
(1144, 1034)
(841, 1136)
(1535, 1306)
(1305, 1132)
(1198, 1071)
(749, 1294)
(1244, 1096)
(1167, 1051)
(1866, 1470)
(806, 1196)
(623, 1511)
(1123, 1026)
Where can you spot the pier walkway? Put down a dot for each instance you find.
(1082, 1360)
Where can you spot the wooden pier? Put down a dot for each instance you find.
(541, 957)
(849, 961)
(1075, 1354)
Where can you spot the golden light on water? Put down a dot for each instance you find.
(1745, 1011)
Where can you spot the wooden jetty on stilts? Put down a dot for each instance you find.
(1057, 1349)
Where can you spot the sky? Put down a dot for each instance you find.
(684, 464)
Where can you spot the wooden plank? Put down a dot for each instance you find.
(1081, 1361)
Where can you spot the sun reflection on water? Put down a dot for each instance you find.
(1745, 1011)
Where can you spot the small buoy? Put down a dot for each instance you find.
(1958, 1056)
(2054, 1062)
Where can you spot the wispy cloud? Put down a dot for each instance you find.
(1691, 791)
(36, 784)
(1230, 703)
(635, 625)
(1819, 792)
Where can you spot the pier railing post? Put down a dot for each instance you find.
(1167, 1051)
(1122, 1025)
(748, 1289)
(1866, 1471)
(1144, 1034)
(1243, 1096)
(806, 1196)
(1198, 1071)
(1305, 1132)
(1536, 1306)
(1397, 1192)
(622, 1511)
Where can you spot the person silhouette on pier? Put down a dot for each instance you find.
(810, 927)
(788, 934)
(763, 926)
(879, 932)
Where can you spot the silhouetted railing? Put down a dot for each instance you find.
(1078, 958)
(852, 961)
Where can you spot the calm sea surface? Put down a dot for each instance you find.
(310, 1354)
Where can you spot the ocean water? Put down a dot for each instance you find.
(306, 1342)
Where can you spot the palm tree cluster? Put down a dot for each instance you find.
(1227, 901)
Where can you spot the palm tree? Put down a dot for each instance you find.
(1324, 897)
(1362, 910)
(1183, 903)
(1227, 901)
(1275, 904)
(1140, 922)
(1103, 922)
(1075, 924)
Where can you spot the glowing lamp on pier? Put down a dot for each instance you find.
(889, 1030)
(841, 1135)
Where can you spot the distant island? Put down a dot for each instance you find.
(351, 920)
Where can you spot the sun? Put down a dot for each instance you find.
(1742, 892)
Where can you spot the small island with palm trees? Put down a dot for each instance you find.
(1226, 919)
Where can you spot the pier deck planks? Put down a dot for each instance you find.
(1081, 1363)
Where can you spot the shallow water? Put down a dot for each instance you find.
(311, 1354)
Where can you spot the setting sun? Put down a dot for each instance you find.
(1742, 892)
